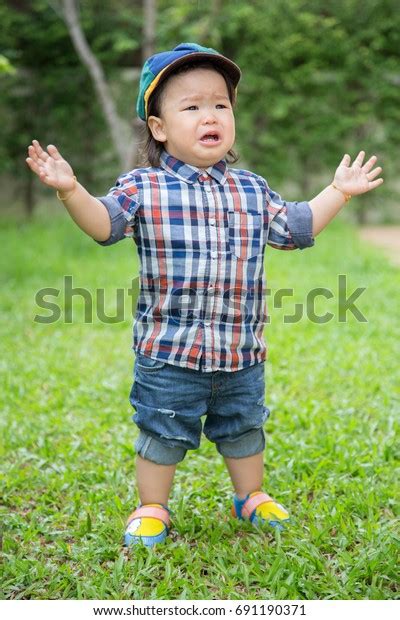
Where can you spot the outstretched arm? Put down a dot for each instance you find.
(348, 181)
(54, 171)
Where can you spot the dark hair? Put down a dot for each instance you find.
(152, 148)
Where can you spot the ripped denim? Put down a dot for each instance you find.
(169, 402)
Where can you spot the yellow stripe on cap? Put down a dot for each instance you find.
(152, 87)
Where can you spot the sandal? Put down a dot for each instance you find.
(148, 524)
(259, 508)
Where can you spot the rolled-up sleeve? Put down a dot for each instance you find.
(290, 223)
(122, 203)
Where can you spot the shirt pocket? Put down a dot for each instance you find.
(245, 233)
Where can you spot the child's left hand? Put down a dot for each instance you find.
(358, 178)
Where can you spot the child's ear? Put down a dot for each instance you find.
(156, 127)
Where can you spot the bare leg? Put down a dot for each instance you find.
(246, 473)
(154, 481)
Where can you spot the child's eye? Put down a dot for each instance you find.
(195, 107)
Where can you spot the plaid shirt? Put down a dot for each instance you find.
(201, 236)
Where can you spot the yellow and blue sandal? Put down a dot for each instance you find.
(148, 524)
(260, 508)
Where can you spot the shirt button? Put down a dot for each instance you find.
(214, 254)
(212, 221)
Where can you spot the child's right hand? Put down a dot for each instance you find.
(50, 167)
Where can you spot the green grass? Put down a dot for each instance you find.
(68, 459)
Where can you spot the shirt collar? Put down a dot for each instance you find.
(189, 173)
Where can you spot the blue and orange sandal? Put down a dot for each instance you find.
(260, 508)
(148, 524)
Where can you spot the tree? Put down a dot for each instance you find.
(319, 79)
(49, 95)
(117, 126)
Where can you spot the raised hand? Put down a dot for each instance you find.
(52, 169)
(357, 178)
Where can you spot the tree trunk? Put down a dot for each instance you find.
(149, 28)
(125, 136)
(118, 128)
(148, 49)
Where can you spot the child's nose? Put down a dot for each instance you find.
(209, 118)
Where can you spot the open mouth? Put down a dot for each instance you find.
(210, 138)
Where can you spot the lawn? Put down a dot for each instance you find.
(67, 482)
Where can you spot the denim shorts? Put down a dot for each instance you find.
(170, 401)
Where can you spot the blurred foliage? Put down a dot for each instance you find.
(51, 97)
(319, 79)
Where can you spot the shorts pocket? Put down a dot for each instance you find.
(170, 428)
(148, 364)
(245, 233)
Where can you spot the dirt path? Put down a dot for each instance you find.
(385, 237)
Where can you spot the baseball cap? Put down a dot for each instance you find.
(159, 66)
